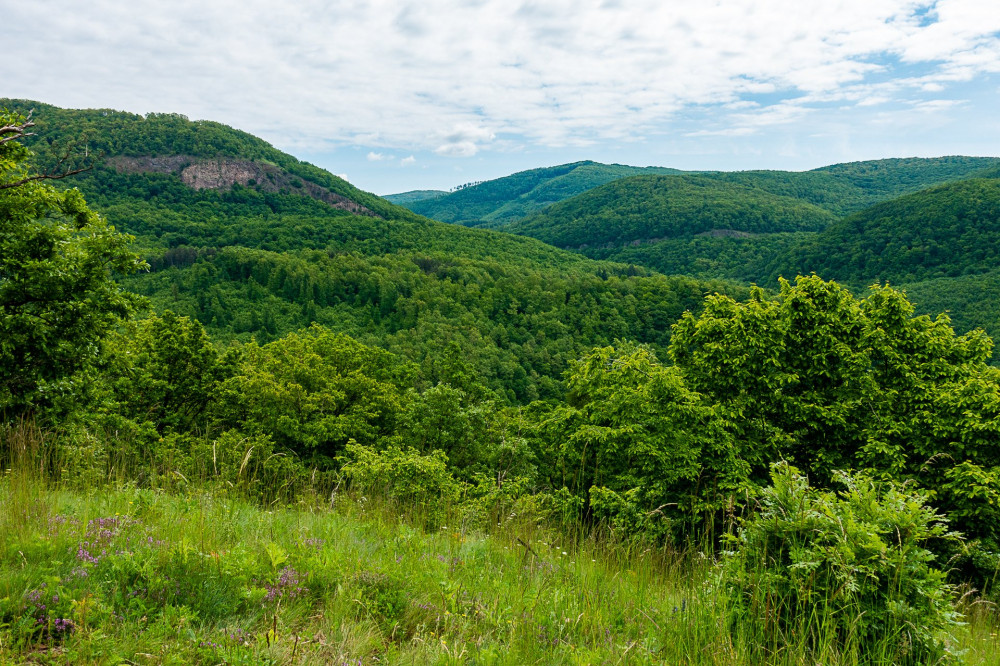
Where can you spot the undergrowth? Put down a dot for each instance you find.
(198, 574)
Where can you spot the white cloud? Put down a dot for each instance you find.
(407, 161)
(936, 105)
(464, 140)
(456, 77)
(457, 149)
(375, 157)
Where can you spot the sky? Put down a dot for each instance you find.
(430, 94)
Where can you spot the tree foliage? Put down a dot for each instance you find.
(646, 208)
(832, 382)
(57, 295)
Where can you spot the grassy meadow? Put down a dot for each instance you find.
(199, 573)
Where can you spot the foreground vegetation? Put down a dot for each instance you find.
(198, 573)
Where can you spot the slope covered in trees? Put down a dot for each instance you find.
(408, 396)
(109, 137)
(851, 186)
(481, 309)
(497, 202)
(943, 231)
(839, 188)
(651, 208)
(404, 198)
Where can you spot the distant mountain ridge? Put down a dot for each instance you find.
(413, 196)
(649, 208)
(497, 202)
(839, 188)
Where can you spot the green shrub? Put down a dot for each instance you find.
(642, 449)
(407, 477)
(849, 572)
(311, 392)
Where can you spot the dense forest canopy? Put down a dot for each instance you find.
(255, 264)
(649, 208)
(498, 202)
(943, 231)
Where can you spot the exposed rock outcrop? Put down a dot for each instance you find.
(201, 174)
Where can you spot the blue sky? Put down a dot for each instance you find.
(430, 94)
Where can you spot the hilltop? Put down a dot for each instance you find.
(943, 231)
(642, 209)
(498, 202)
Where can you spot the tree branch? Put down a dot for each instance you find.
(16, 131)
(44, 176)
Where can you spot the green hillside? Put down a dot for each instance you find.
(850, 187)
(170, 143)
(970, 301)
(404, 198)
(945, 231)
(497, 202)
(480, 309)
(890, 178)
(749, 226)
(343, 357)
(743, 257)
(839, 188)
(648, 208)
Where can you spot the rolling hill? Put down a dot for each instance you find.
(840, 188)
(647, 208)
(250, 259)
(944, 231)
(497, 202)
(404, 198)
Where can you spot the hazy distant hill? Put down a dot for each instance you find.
(503, 200)
(404, 198)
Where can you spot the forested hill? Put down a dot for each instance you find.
(944, 231)
(482, 310)
(404, 198)
(646, 208)
(840, 188)
(880, 180)
(204, 154)
(497, 202)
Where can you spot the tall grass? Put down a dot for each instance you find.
(199, 573)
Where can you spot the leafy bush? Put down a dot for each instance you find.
(312, 392)
(828, 381)
(849, 572)
(406, 476)
(167, 369)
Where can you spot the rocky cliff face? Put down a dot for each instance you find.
(202, 174)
